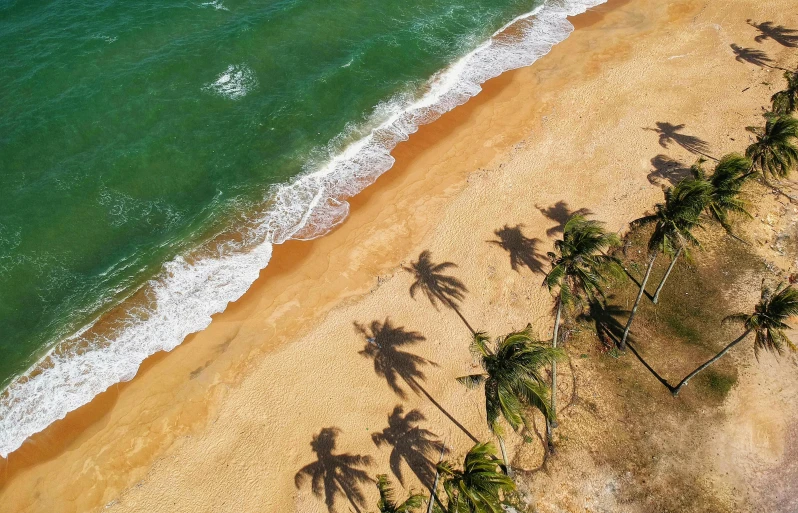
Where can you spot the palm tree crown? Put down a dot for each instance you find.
(786, 101)
(478, 486)
(725, 187)
(774, 154)
(512, 377)
(768, 320)
(578, 260)
(387, 502)
(675, 219)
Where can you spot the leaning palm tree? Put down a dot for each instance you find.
(579, 268)
(775, 152)
(479, 486)
(725, 187)
(387, 503)
(513, 379)
(674, 222)
(786, 101)
(767, 323)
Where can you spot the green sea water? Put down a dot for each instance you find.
(117, 151)
(162, 148)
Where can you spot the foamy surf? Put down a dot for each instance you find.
(182, 298)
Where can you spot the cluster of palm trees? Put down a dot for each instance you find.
(514, 366)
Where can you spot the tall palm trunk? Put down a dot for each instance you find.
(675, 390)
(651, 259)
(655, 299)
(551, 420)
(433, 497)
(507, 467)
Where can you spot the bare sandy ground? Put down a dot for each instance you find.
(282, 381)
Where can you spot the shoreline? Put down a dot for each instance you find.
(195, 286)
(175, 394)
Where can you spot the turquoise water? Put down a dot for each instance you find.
(134, 132)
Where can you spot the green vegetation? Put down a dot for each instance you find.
(478, 486)
(513, 379)
(387, 502)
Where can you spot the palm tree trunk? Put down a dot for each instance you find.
(554, 341)
(551, 418)
(507, 467)
(655, 299)
(739, 339)
(637, 301)
(434, 492)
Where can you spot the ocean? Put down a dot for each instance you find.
(151, 155)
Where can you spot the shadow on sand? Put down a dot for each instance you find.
(383, 345)
(439, 288)
(560, 213)
(670, 134)
(334, 474)
(523, 250)
(778, 33)
(410, 444)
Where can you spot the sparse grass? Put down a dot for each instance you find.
(718, 383)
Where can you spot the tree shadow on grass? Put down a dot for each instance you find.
(332, 475)
(411, 444)
(667, 171)
(383, 346)
(439, 288)
(670, 134)
(778, 33)
(751, 56)
(560, 213)
(609, 330)
(523, 250)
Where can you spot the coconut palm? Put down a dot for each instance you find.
(479, 485)
(513, 379)
(725, 187)
(786, 101)
(579, 268)
(775, 153)
(387, 502)
(674, 221)
(767, 323)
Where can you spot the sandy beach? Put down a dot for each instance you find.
(225, 421)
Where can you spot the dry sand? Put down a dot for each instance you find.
(226, 420)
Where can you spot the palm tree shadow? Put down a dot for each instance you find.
(669, 134)
(560, 213)
(411, 444)
(609, 330)
(383, 343)
(751, 56)
(439, 288)
(667, 171)
(523, 251)
(778, 33)
(334, 474)
(605, 318)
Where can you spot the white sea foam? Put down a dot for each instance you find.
(186, 293)
(234, 83)
(216, 4)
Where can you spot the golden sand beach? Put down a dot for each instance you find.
(226, 420)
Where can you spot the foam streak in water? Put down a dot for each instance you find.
(186, 293)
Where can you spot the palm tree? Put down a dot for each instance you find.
(774, 154)
(725, 187)
(478, 487)
(513, 379)
(388, 504)
(786, 101)
(673, 223)
(767, 323)
(579, 266)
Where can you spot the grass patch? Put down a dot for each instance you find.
(719, 384)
